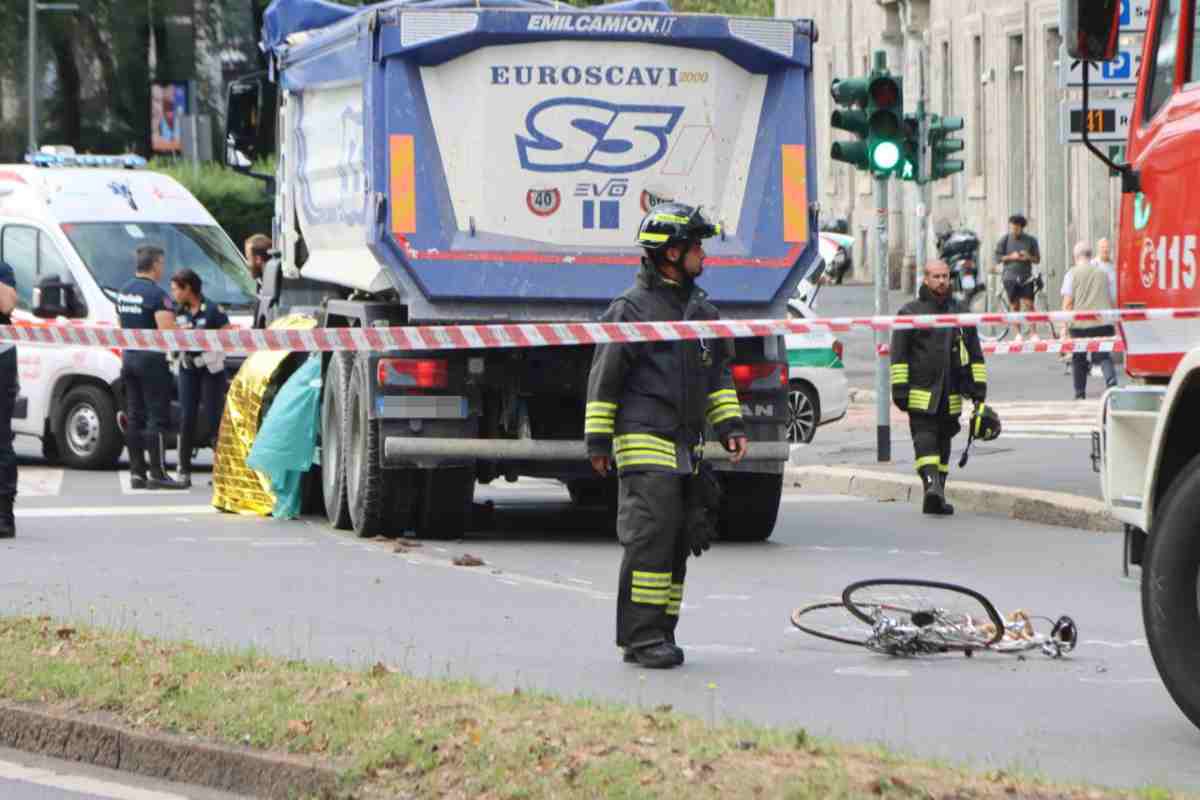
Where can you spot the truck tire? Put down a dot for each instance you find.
(600, 492)
(362, 448)
(333, 424)
(1169, 583)
(749, 506)
(444, 508)
(87, 436)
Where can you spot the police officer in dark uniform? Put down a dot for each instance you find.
(8, 397)
(143, 305)
(647, 405)
(932, 370)
(197, 381)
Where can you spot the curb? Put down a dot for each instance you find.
(1029, 505)
(92, 739)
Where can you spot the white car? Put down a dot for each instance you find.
(818, 391)
(68, 227)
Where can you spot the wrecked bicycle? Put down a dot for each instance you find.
(909, 617)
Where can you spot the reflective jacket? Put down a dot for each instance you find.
(934, 363)
(648, 402)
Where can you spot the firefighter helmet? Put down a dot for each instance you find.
(985, 423)
(673, 224)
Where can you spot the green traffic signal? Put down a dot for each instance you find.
(885, 112)
(941, 145)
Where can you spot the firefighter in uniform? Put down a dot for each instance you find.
(143, 305)
(932, 370)
(197, 381)
(647, 406)
(9, 388)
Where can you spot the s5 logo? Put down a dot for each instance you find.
(573, 133)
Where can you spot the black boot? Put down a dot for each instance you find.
(8, 525)
(158, 478)
(656, 656)
(934, 499)
(630, 656)
(184, 473)
(947, 509)
(137, 464)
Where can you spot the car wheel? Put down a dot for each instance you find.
(88, 436)
(804, 412)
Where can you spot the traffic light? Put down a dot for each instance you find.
(941, 145)
(885, 123)
(850, 92)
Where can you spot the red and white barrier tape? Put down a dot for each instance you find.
(455, 337)
(1106, 345)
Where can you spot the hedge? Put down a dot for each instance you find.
(239, 203)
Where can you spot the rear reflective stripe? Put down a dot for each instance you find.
(403, 183)
(794, 179)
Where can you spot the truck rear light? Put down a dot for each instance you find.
(764, 375)
(414, 373)
(839, 349)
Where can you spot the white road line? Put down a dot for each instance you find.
(112, 511)
(81, 784)
(39, 481)
(871, 672)
(727, 597)
(1117, 681)
(1117, 645)
(283, 543)
(820, 498)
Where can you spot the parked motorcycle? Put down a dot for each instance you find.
(960, 250)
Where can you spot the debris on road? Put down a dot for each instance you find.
(468, 560)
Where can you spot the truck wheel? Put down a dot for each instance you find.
(444, 510)
(365, 477)
(1169, 583)
(594, 492)
(87, 434)
(749, 506)
(333, 463)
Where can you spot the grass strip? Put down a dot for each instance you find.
(395, 735)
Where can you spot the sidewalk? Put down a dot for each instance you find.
(1038, 470)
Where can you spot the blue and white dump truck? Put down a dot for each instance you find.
(446, 162)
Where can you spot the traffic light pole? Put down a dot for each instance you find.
(883, 389)
(923, 172)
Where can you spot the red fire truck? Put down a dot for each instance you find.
(1148, 446)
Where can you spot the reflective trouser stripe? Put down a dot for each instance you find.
(651, 588)
(899, 373)
(643, 449)
(927, 461)
(918, 399)
(943, 467)
(676, 599)
(956, 404)
(979, 373)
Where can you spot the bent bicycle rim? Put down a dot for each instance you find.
(832, 621)
(962, 617)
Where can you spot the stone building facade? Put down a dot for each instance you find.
(994, 63)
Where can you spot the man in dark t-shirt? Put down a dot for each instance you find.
(1016, 254)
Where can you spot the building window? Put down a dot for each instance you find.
(979, 109)
(947, 80)
(1166, 44)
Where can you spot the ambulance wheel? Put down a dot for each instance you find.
(333, 464)
(749, 506)
(87, 436)
(1170, 578)
(366, 480)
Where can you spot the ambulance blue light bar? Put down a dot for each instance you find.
(60, 160)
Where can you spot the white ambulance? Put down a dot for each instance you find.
(69, 226)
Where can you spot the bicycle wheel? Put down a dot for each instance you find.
(984, 301)
(832, 621)
(945, 614)
(1040, 303)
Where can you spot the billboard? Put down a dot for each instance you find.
(168, 105)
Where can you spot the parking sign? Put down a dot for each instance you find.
(1135, 14)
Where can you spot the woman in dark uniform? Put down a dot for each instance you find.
(201, 375)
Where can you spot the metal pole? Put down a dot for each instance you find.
(883, 391)
(33, 96)
(923, 180)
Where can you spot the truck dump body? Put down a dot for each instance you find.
(487, 162)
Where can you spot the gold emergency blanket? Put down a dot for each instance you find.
(236, 487)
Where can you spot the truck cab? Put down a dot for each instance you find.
(69, 225)
(1148, 446)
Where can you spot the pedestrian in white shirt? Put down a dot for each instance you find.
(1089, 287)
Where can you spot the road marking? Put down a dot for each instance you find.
(80, 784)
(871, 672)
(1115, 681)
(513, 578)
(183, 539)
(722, 648)
(286, 543)
(580, 581)
(727, 597)
(39, 481)
(112, 511)
(821, 498)
(1118, 645)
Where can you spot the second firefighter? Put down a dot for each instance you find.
(933, 369)
(647, 407)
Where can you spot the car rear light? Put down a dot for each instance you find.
(763, 375)
(414, 373)
(839, 349)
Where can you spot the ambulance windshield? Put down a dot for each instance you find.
(107, 248)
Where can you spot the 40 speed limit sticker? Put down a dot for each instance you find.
(544, 201)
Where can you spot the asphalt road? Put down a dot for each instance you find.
(539, 614)
(1022, 377)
